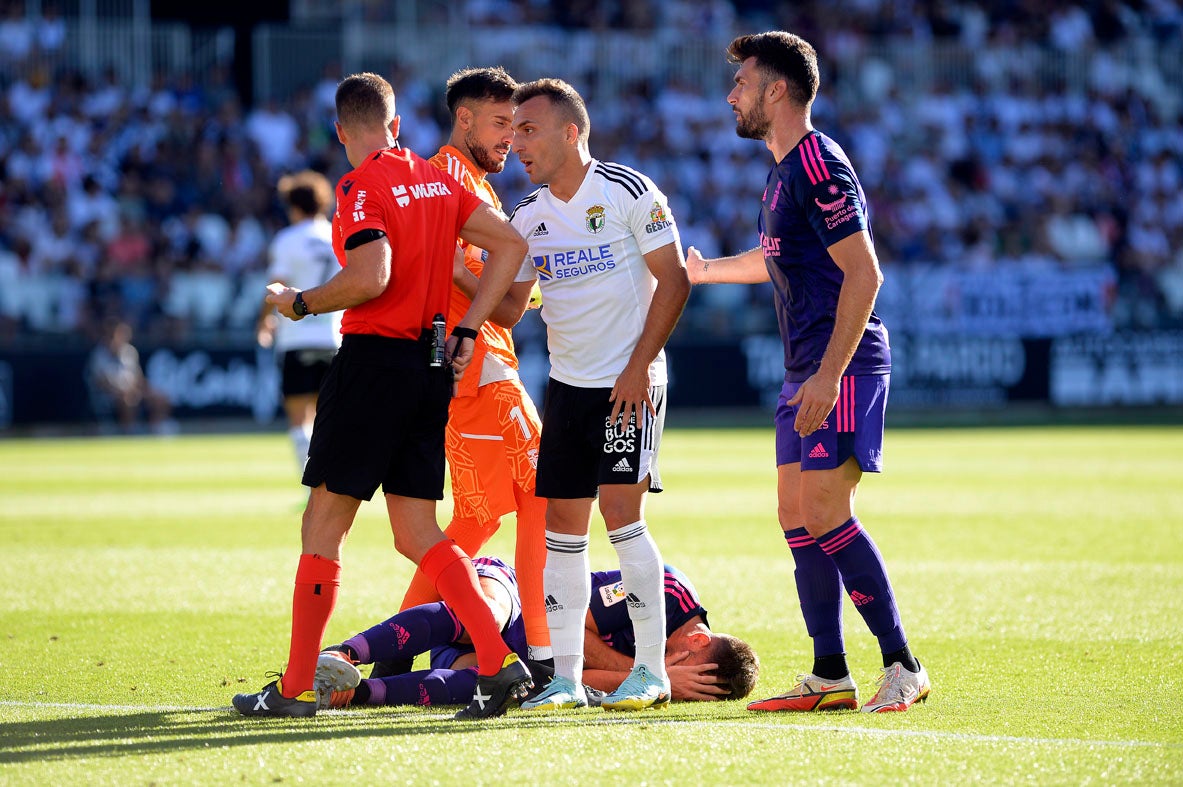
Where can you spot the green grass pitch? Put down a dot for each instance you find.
(1039, 571)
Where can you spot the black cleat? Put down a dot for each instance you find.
(493, 692)
(390, 667)
(268, 701)
(541, 672)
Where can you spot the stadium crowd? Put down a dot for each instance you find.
(1046, 146)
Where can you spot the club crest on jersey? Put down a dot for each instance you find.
(658, 221)
(595, 218)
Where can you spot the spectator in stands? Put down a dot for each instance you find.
(118, 386)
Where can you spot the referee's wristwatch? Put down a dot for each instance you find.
(299, 307)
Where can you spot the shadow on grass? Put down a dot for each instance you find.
(128, 733)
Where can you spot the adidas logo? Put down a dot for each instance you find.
(622, 466)
(859, 599)
(634, 602)
(819, 452)
(539, 231)
(552, 604)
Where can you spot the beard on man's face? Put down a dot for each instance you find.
(482, 156)
(753, 125)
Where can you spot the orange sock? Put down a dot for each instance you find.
(471, 536)
(317, 582)
(530, 560)
(446, 565)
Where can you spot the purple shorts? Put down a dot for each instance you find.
(853, 428)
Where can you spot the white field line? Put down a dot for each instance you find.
(870, 731)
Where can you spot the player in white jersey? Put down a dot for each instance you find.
(606, 252)
(301, 256)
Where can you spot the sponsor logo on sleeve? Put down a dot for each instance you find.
(612, 594)
(658, 220)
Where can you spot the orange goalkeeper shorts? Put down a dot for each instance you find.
(492, 446)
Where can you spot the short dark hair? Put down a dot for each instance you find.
(479, 84)
(365, 100)
(307, 191)
(738, 665)
(781, 55)
(563, 96)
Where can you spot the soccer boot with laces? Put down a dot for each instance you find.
(335, 674)
(813, 693)
(560, 694)
(899, 689)
(493, 692)
(639, 691)
(269, 701)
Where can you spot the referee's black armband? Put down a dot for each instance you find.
(362, 237)
(461, 332)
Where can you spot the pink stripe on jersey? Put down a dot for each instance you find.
(673, 588)
(775, 197)
(819, 161)
(814, 178)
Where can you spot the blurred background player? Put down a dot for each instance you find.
(381, 421)
(493, 426)
(301, 256)
(606, 254)
(816, 248)
(702, 664)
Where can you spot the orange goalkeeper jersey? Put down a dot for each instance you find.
(493, 339)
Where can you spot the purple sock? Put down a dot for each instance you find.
(425, 687)
(865, 577)
(407, 634)
(819, 588)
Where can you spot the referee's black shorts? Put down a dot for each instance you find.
(581, 448)
(380, 421)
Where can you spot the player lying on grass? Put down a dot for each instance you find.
(702, 664)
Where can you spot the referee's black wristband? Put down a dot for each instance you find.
(461, 332)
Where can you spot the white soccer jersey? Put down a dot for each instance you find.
(587, 256)
(301, 256)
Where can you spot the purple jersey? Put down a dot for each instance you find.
(610, 612)
(813, 200)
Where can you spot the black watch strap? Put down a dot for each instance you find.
(464, 333)
(299, 307)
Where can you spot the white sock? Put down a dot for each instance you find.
(566, 581)
(642, 573)
(300, 440)
(539, 652)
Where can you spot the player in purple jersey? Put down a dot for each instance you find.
(702, 664)
(816, 249)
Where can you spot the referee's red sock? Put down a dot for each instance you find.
(317, 582)
(446, 565)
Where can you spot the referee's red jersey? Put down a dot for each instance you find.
(421, 209)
